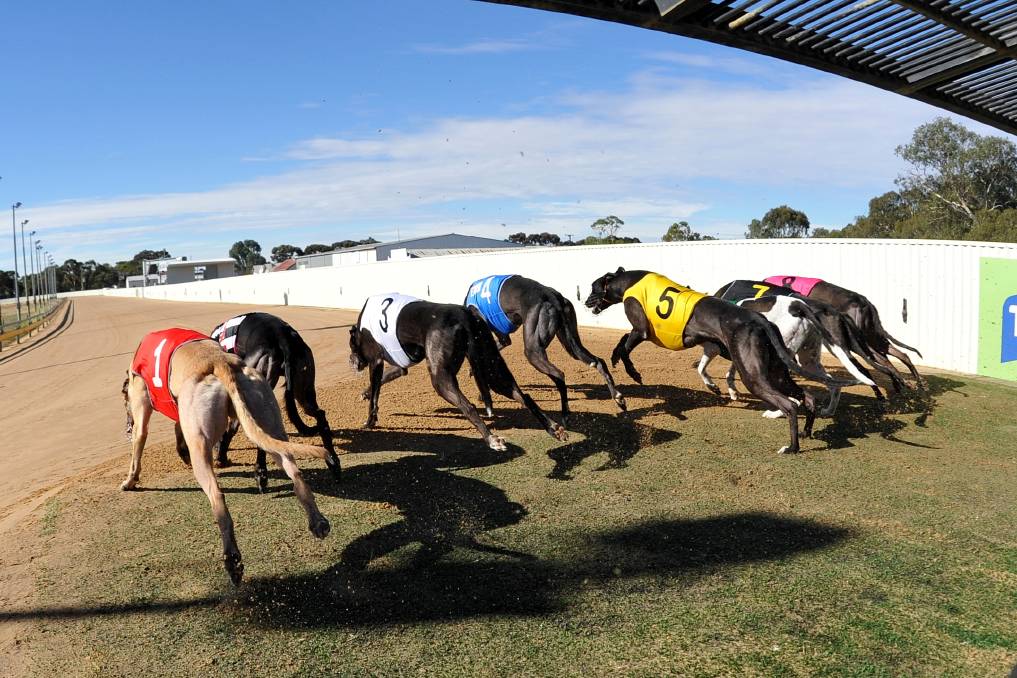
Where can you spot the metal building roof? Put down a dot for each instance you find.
(960, 55)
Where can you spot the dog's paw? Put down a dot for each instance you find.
(732, 394)
(128, 485)
(319, 526)
(496, 443)
(773, 414)
(712, 387)
(489, 412)
(223, 462)
(234, 567)
(783, 450)
(559, 432)
(620, 400)
(365, 394)
(371, 421)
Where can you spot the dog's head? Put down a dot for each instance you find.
(357, 360)
(603, 293)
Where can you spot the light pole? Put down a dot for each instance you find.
(35, 283)
(37, 276)
(24, 265)
(54, 289)
(14, 235)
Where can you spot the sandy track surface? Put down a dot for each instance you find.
(61, 412)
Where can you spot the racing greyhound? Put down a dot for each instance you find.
(805, 326)
(864, 314)
(187, 377)
(271, 346)
(509, 301)
(403, 331)
(675, 317)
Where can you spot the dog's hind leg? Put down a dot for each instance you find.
(808, 357)
(182, 451)
(202, 416)
(485, 391)
(732, 392)
(316, 522)
(710, 351)
(139, 409)
(754, 370)
(222, 458)
(302, 390)
(568, 335)
(539, 329)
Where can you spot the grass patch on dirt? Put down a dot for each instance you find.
(669, 540)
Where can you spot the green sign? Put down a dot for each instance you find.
(997, 313)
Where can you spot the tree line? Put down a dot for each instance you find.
(958, 185)
(607, 229)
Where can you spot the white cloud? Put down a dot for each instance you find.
(481, 47)
(637, 152)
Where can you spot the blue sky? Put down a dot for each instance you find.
(188, 126)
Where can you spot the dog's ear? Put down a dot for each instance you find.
(619, 271)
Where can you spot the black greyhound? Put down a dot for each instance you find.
(864, 314)
(746, 338)
(271, 346)
(444, 334)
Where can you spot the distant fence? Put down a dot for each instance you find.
(955, 293)
(13, 330)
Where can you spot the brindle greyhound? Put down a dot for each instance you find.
(445, 334)
(746, 338)
(273, 348)
(866, 317)
(544, 313)
(210, 386)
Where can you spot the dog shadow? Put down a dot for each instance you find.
(676, 553)
(620, 437)
(439, 510)
(671, 554)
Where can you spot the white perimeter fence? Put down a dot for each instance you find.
(938, 280)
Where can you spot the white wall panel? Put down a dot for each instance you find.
(939, 279)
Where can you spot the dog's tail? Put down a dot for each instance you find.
(484, 357)
(226, 373)
(789, 361)
(832, 344)
(288, 397)
(568, 333)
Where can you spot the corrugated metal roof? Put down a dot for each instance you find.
(960, 55)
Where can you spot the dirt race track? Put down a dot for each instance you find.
(60, 405)
(886, 548)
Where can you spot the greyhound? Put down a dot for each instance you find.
(675, 317)
(509, 301)
(271, 346)
(403, 331)
(805, 326)
(187, 377)
(865, 316)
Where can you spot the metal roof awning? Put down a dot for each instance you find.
(960, 55)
